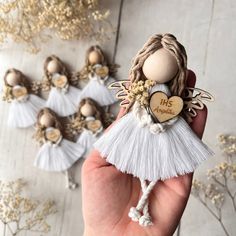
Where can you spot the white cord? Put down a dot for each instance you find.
(145, 195)
(67, 179)
(145, 219)
(135, 212)
(70, 183)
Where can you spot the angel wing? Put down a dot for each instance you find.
(193, 100)
(123, 92)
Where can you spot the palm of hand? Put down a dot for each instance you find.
(108, 195)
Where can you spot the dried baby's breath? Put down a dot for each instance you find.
(75, 125)
(7, 94)
(39, 135)
(19, 213)
(28, 21)
(36, 87)
(138, 91)
(221, 182)
(227, 144)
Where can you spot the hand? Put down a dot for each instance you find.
(108, 194)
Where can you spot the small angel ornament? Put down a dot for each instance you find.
(98, 73)
(63, 97)
(56, 154)
(24, 105)
(152, 141)
(91, 115)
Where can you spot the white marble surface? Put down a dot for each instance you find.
(205, 27)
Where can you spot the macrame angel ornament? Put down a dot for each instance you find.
(56, 153)
(24, 105)
(90, 115)
(98, 73)
(152, 141)
(63, 97)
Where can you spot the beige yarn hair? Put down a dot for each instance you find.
(24, 81)
(97, 49)
(170, 43)
(84, 73)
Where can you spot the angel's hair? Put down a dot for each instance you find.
(170, 43)
(63, 68)
(98, 110)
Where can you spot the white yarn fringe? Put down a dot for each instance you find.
(58, 158)
(87, 139)
(135, 150)
(98, 91)
(64, 103)
(23, 114)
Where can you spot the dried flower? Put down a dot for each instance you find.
(7, 94)
(27, 21)
(20, 213)
(227, 144)
(138, 91)
(221, 177)
(75, 126)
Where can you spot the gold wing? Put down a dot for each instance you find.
(123, 91)
(193, 100)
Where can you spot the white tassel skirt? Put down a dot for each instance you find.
(64, 104)
(23, 114)
(99, 92)
(135, 150)
(87, 139)
(58, 158)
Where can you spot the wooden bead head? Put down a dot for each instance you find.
(95, 55)
(89, 107)
(161, 66)
(54, 64)
(94, 58)
(53, 67)
(48, 118)
(13, 77)
(87, 110)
